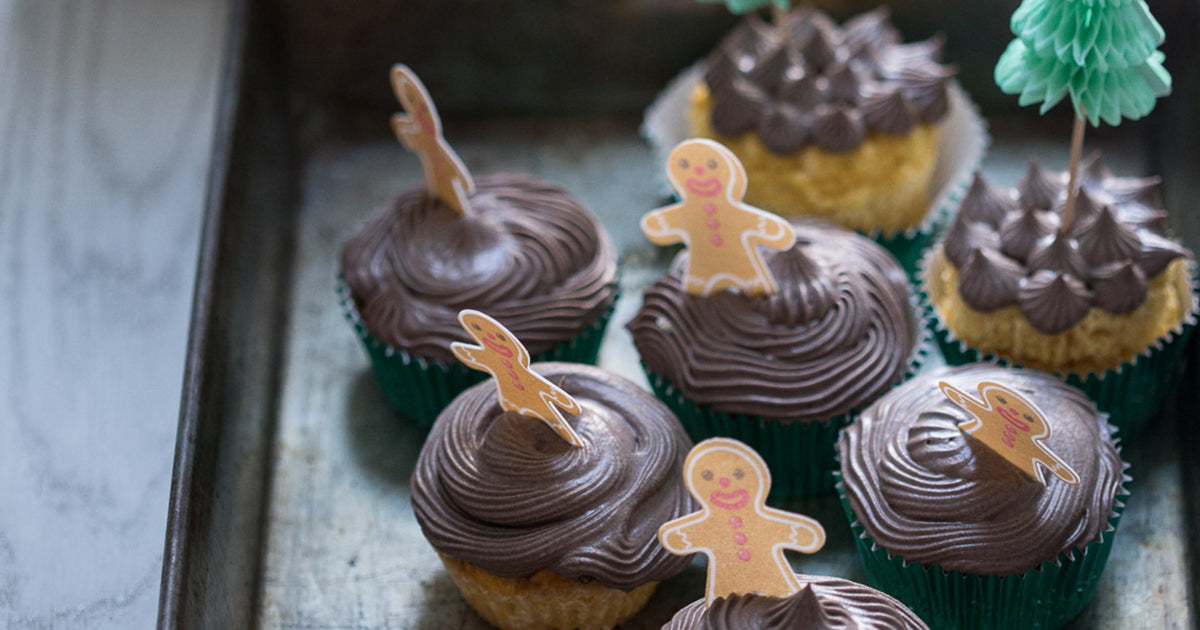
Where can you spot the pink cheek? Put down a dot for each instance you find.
(724, 482)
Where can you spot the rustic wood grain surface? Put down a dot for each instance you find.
(106, 119)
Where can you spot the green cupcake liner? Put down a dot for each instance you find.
(801, 455)
(909, 246)
(1132, 394)
(1043, 598)
(419, 387)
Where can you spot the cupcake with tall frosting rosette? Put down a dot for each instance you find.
(524, 250)
(539, 533)
(947, 524)
(784, 372)
(1107, 304)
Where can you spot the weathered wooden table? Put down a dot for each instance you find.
(106, 120)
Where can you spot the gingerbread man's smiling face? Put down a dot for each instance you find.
(699, 168)
(726, 480)
(1014, 410)
(490, 336)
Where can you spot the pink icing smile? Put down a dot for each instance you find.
(704, 187)
(496, 347)
(734, 500)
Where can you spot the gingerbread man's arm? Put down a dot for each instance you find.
(973, 406)
(555, 395)
(660, 226)
(466, 353)
(406, 129)
(674, 537)
(795, 531)
(773, 231)
(1055, 465)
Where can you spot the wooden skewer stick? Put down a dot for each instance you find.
(1073, 168)
(780, 17)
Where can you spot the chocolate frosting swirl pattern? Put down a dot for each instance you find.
(824, 84)
(837, 334)
(502, 491)
(927, 492)
(824, 603)
(1117, 240)
(529, 255)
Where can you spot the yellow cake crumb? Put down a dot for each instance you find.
(1099, 341)
(882, 185)
(544, 600)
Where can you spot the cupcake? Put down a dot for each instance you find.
(783, 372)
(822, 603)
(959, 533)
(839, 123)
(1107, 303)
(538, 533)
(525, 251)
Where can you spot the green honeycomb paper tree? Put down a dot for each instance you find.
(779, 10)
(1101, 53)
(743, 6)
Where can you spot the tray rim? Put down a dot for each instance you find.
(230, 107)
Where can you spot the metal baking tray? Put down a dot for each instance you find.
(290, 499)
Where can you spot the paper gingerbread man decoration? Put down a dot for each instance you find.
(520, 389)
(742, 537)
(420, 130)
(1013, 427)
(722, 234)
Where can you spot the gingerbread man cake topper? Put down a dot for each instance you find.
(420, 130)
(742, 537)
(1012, 426)
(721, 232)
(519, 388)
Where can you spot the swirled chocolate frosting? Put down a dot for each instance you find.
(929, 493)
(502, 491)
(528, 254)
(836, 335)
(1010, 238)
(824, 84)
(824, 603)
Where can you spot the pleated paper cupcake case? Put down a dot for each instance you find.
(800, 455)
(420, 388)
(1043, 598)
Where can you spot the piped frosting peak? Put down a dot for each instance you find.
(1116, 242)
(834, 85)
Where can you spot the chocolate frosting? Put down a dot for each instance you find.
(503, 491)
(991, 280)
(824, 603)
(822, 83)
(529, 255)
(929, 493)
(1055, 300)
(837, 334)
(1113, 225)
